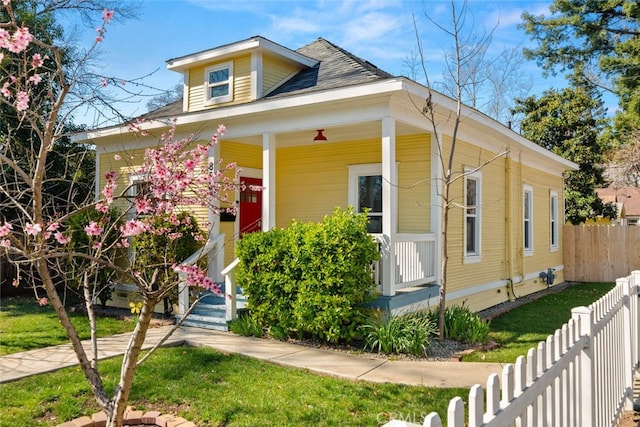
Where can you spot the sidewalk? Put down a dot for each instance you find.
(327, 362)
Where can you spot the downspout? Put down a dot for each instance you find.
(508, 224)
(521, 216)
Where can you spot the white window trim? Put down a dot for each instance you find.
(554, 234)
(527, 189)
(134, 179)
(356, 171)
(475, 257)
(207, 93)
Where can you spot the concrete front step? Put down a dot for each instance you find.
(210, 313)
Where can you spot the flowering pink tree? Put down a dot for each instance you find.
(35, 84)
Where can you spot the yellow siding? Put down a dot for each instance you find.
(241, 84)
(126, 166)
(543, 257)
(274, 72)
(244, 155)
(311, 181)
(502, 230)
(242, 80)
(414, 184)
(492, 266)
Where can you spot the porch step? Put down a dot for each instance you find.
(210, 312)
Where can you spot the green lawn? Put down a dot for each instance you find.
(24, 325)
(212, 389)
(524, 327)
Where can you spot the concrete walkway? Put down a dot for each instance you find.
(327, 362)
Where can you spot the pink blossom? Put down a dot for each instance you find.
(1, 56)
(143, 205)
(99, 40)
(96, 245)
(221, 129)
(132, 228)
(32, 229)
(53, 226)
(196, 277)
(117, 157)
(35, 79)
(20, 40)
(43, 302)
(93, 229)
(23, 101)
(60, 238)
(102, 207)
(5, 229)
(36, 60)
(5, 90)
(5, 243)
(15, 283)
(107, 15)
(6, 2)
(103, 81)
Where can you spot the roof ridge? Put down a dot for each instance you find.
(360, 61)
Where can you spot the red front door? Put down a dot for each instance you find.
(250, 205)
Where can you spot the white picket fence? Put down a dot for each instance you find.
(582, 375)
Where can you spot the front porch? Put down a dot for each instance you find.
(407, 274)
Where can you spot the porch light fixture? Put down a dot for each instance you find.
(320, 137)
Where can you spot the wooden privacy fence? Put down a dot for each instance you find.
(600, 253)
(582, 375)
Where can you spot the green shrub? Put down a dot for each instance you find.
(247, 326)
(309, 279)
(461, 324)
(410, 333)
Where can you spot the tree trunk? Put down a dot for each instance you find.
(118, 405)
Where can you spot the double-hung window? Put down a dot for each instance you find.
(472, 215)
(219, 83)
(365, 193)
(553, 211)
(527, 211)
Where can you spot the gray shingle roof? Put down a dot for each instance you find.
(336, 68)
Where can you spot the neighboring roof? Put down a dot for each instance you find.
(628, 196)
(335, 68)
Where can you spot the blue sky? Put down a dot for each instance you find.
(380, 31)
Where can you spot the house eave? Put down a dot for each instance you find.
(181, 64)
(438, 99)
(382, 88)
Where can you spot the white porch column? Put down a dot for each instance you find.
(389, 205)
(268, 181)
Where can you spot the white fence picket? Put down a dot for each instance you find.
(582, 375)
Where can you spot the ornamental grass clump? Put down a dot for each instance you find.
(463, 325)
(409, 333)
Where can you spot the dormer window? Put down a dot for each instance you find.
(219, 83)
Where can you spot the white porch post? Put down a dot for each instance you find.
(389, 205)
(268, 181)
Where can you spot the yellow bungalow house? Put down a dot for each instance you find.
(319, 128)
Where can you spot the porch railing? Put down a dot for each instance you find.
(414, 256)
(214, 250)
(580, 376)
